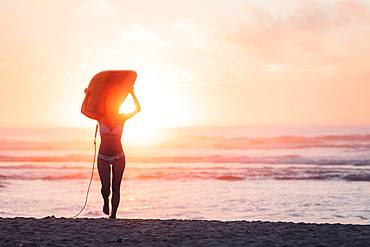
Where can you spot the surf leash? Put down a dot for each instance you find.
(92, 174)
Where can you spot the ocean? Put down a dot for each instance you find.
(313, 174)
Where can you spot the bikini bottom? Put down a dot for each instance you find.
(109, 159)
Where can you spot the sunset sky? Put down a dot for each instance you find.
(209, 62)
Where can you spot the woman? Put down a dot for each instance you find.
(111, 151)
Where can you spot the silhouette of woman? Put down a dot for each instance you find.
(110, 150)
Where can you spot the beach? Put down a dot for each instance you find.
(51, 231)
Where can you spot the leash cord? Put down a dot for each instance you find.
(92, 175)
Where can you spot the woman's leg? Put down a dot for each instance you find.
(104, 174)
(118, 169)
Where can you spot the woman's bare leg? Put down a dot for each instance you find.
(104, 174)
(118, 169)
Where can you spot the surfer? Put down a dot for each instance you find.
(110, 151)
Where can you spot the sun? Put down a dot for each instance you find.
(160, 106)
(145, 127)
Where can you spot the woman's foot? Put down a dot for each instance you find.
(106, 207)
(113, 217)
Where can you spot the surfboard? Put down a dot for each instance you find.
(119, 82)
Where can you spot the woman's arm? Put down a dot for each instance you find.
(89, 114)
(137, 106)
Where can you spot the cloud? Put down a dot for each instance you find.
(191, 32)
(94, 9)
(139, 34)
(314, 33)
(352, 11)
(280, 68)
(279, 38)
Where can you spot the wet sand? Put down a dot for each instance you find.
(52, 231)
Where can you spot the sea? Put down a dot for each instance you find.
(312, 174)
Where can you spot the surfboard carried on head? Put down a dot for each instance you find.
(119, 82)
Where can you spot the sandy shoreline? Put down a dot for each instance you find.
(52, 231)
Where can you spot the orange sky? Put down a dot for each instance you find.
(210, 62)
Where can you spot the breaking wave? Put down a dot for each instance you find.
(221, 172)
(284, 159)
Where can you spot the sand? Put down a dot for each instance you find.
(51, 231)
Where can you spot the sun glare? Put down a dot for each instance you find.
(127, 105)
(144, 128)
(134, 135)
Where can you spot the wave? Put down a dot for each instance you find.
(214, 142)
(20, 173)
(233, 174)
(285, 159)
(64, 158)
(232, 159)
(6, 144)
(201, 171)
(280, 142)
